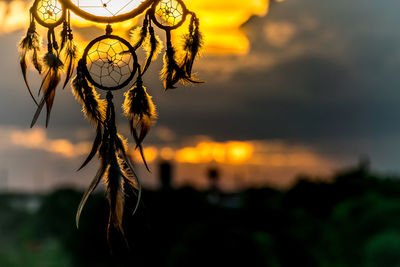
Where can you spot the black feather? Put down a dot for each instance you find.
(138, 35)
(192, 44)
(172, 73)
(92, 187)
(95, 147)
(31, 42)
(153, 47)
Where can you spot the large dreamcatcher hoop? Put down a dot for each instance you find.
(109, 63)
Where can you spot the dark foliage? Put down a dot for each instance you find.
(354, 221)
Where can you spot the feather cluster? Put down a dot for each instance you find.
(172, 72)
(146, 38)
(115, 169)
(30, 43)
(141, 111)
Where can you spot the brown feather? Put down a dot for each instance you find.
(49, 85)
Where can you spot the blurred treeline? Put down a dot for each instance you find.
(352, 221)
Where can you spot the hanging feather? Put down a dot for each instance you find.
(139, 34)
(153, 47)
(36, 61)
(92, 106)
(70, 57)
(114, 181)
(172, 72)
(31, 42)
(193, 41)
(95, 182)
(49, 85)
(130, 176)
(139, 108)
(132, 180)
(64, 35)
(95, 146)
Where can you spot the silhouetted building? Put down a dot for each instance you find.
(213, 176)
(165, 172)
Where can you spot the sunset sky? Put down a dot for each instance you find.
(292, 87)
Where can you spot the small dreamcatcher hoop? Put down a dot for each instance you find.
(169, 14)
(49, 13)
(110, 62)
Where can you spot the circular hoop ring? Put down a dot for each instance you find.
(45, 24)
(153, 15)
(113, 19)
(131, 51)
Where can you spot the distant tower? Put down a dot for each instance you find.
(213, 176)
(165, 172)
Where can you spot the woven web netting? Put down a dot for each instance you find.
(169, 12)
(110, 63)
(107, 8)
(49, 11)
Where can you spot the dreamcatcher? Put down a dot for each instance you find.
(109, 63)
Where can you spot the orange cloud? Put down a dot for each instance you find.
(242, 163)
(221, 22)
(279, 33)
(37, 139)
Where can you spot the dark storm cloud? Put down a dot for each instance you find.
(339, 93)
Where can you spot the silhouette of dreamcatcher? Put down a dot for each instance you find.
(109, 63)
